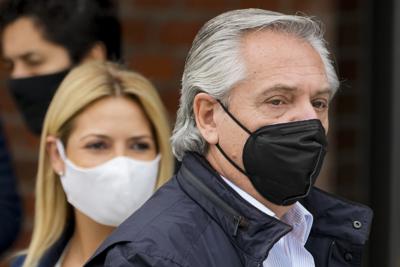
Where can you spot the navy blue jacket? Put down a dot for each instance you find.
(52, 255)
(196, 220)
(10, 206)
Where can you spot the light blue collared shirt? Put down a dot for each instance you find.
(289, 251)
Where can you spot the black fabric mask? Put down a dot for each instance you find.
(33, 96)
(283, 160)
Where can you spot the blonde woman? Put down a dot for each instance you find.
(104, 150)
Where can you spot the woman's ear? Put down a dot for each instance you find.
(55, 159)
(97, 52)
(204, 113)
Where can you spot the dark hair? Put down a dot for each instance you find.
(76, 25)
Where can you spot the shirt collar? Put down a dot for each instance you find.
(301, 220)
(298, 216)
(250, 199)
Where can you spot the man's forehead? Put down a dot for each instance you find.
(21, 37)
(278, 60)
(268, 36)
(277, 48)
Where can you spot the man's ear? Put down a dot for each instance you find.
(204, 109)
(55, 159)
(97, 52)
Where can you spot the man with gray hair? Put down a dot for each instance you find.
(251, 134)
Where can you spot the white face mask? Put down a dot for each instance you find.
(110, 192)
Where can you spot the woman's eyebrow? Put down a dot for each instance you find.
(139, 137)
(101, 136)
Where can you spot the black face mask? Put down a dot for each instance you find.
(33, 96)
(283, 160)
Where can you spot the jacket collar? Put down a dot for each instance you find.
(340, 218)
(251, 231)
(254, 232)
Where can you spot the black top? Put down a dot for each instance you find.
(53, 254)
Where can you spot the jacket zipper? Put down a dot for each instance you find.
(331, 247)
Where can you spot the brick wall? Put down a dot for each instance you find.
(157, 36)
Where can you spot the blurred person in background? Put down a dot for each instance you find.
(41, 40)
(104, 150)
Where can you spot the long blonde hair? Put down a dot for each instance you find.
(83, 86)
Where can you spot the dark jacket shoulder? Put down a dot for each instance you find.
(340, 229)
(152, 234)
(18, 261)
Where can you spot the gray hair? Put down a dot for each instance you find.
(214, 64)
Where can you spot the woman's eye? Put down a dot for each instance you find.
(140, 146)
(97, 146)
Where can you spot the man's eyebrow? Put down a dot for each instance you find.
(281, 87)
(26, 55)
(21, 56)
(288, 88)
(324, 91)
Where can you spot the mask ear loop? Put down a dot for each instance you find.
(230, 160)
(233, 118)
(219, 147)
(61, 150)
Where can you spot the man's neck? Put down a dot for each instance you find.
(224, 168)
(246, 186)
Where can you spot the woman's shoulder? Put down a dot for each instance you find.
(18, 261)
